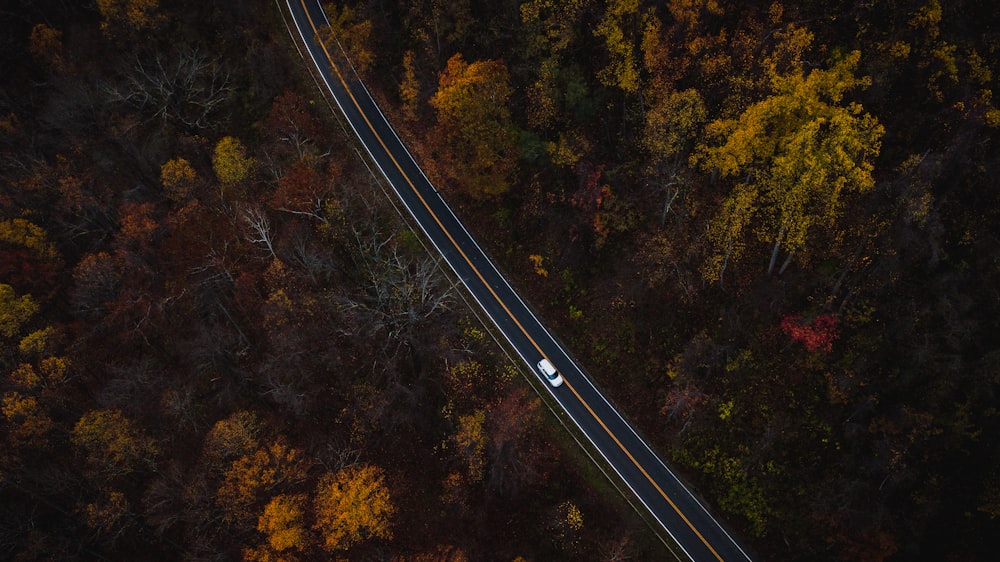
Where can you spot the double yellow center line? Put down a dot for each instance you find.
(475, 269)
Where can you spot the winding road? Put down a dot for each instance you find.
(669, 501)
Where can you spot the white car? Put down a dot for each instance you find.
(549, 372)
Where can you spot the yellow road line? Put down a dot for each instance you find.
(490, 287)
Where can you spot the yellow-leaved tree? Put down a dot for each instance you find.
(112, 446)
(350, 30)
(15, 310)
(409, 87)
(230, 161)
(178, 178)
(798, 153)
(353, 505)
(20, 232)
(470, 441)
(619, 28)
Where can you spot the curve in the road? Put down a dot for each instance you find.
(688, 536)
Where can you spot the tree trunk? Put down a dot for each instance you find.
(668, 203)
(774, 252)
(784, 265)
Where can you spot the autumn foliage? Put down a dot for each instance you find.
(766, 229)
(817, 333)
(352, 505)
(473, 125)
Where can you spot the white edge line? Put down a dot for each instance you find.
(516, 295)
(464, 282)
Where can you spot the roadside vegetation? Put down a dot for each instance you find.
(769, 231)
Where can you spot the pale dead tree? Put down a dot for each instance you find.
(271, 166)
(617, 550)
(308, 255)
(333, 455)
(184, 87)
(290, 132)
(400, 288)
(214, 276)
(216, 266)
(286, 391)
(258, 228)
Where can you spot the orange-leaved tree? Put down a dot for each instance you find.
(252, 475)
(179, 179)
(353, 505)
(474, 130)
(129, 15)
(283, 521)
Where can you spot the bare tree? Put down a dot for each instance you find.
(399, 286)
(401, 290)
(187, 88)
(258, 228)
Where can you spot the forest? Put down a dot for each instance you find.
(769, 231)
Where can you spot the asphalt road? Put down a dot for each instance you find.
(692, 527)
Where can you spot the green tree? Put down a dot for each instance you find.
(799, 151)
(474, 129)
(440, 24)
(353, 505)
(550, 24)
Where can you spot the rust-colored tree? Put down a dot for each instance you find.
(302, 191)
(293, 125)
(129, 16)
(46, 46)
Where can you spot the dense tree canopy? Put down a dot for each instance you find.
(219, 339)
(473, 123)
(801, 151)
